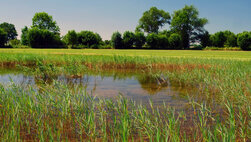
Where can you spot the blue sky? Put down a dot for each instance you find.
(107, 16)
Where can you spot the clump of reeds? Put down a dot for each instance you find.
(57, 113)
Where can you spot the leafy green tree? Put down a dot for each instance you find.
(140, 39)
(3, 37)
(24, 36)
(43, 38)
(71, 38)
(218, 39)
(152, 40)
(153, 19)
(162, 41)
(187, 23)
(128, 39)
(44, 21)
(205, 39)
(88, 38)
(231, 39)
(244, 40)
(175, 41)
(116, 40)
(10, 30)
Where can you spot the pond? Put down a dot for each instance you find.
(136, 85)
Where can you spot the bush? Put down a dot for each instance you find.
(3, 37)
(41, 38)
(140, 39)
(244, 40)
(15, 43)
(175, 41)
(128, 39)
(116, 40)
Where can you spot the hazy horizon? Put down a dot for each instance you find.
(106, 17)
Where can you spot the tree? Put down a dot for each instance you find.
(187, 23)
(175, 41)
(128, 39)
(140, 39)
(152, 40)
(153, 19)
(162, 41)
(42, 38)
(24, 36)
(205, 39)
(44, 21)
(3, 37)
(244, 40)
(71, 38)
(10, 30)
(88, 38)
(231, 39)
(116, 40)
(218, 39)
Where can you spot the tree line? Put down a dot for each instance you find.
(186, 28)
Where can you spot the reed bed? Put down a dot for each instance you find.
(58, 113)
(61, 114)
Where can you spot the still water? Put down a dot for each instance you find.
(136, 85)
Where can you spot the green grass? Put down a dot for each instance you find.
(242, 55)
(58, 113)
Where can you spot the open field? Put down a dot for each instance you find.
(220, 109)
(242, 55)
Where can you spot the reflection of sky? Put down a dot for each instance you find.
(108, 87)
(107, 16)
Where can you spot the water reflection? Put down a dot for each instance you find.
(134, 85)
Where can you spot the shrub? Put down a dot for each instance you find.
(116, 40)
(15, 43)
(175, 41)
(244, 40)
(128, 39)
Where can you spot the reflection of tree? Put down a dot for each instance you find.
(153, 84)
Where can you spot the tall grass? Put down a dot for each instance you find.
(57, 113)
(62, 114)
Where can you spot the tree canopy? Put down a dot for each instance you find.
(10, 30)
(153, 19)
(3, 37)
(128, 39)
(187, 23)
(24, 36)
(45, 22)
(116, 40)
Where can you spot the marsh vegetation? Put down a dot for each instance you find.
(120, 96)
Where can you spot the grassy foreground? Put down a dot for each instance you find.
(58, 113)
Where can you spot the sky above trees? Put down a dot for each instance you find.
(107, 16)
